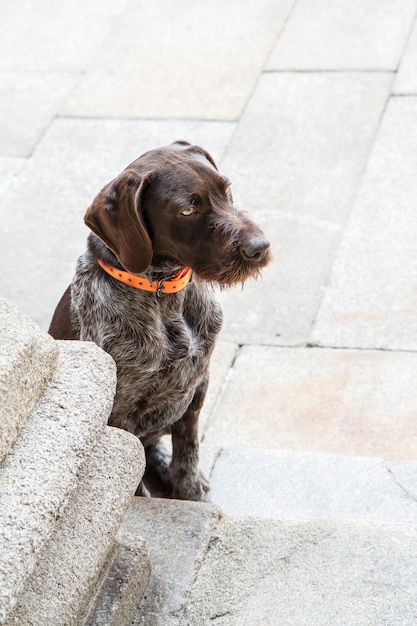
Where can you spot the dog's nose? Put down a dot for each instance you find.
(256, 249)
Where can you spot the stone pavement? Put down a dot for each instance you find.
(310, 108)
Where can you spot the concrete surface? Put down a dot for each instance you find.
(27, 359)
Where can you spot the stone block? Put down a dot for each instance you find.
(123, 586)
(275, 484)
(39, 475)
(293, 573)
(176, 533)
(42, 213)
(200, 61)
(68, 568)
(371, 300)
(344, 35)
(349, 402)
(28, 358)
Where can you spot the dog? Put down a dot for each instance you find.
(162, 234)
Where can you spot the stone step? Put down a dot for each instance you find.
(214, 569)
(67, 572)
(123, 584)
(177, 534)
(292, 573)
(27, 360)
(38, 477)
(306, 485)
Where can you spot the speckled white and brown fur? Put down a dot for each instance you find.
(161, 345)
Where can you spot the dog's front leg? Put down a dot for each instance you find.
(189, 483)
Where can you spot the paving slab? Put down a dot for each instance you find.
(296, 160)
(42, 232)
(349, 402)
(344, 35)
(371, 300)
(221, 359)
(176, 534)
(40, 471)
(66, 573)
(327, 573)
(302, 143)
(200, 61)
(43, 36)
(280, 306)
(28, 103)
(276, 484)
(28, 358)
(406, 79)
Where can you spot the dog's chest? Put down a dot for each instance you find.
(171, 361)
(161, 349)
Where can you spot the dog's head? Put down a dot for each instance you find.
(172, 204)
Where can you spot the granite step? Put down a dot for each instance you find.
(208, 568)
(39, 476)
(294, 572)
(124, 580)
(82, 558)
(177, 534)
(27, 360)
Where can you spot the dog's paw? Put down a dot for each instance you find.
(196, 489)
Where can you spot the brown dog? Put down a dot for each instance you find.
(168, 215)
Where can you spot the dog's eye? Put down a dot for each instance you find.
(189, 211)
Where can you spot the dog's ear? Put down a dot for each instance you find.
(192, 149)
(115, 216)
(205, 154)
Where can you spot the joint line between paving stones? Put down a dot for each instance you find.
(403, 95)
(391, 473)
(256, 83)
(329, 70)
(104, 118)
(309, 344)
(357, 348)
(407, 41)
(216, 458)
(352, 206)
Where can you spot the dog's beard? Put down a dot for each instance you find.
(230, 272)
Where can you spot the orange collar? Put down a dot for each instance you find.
(171, 284)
